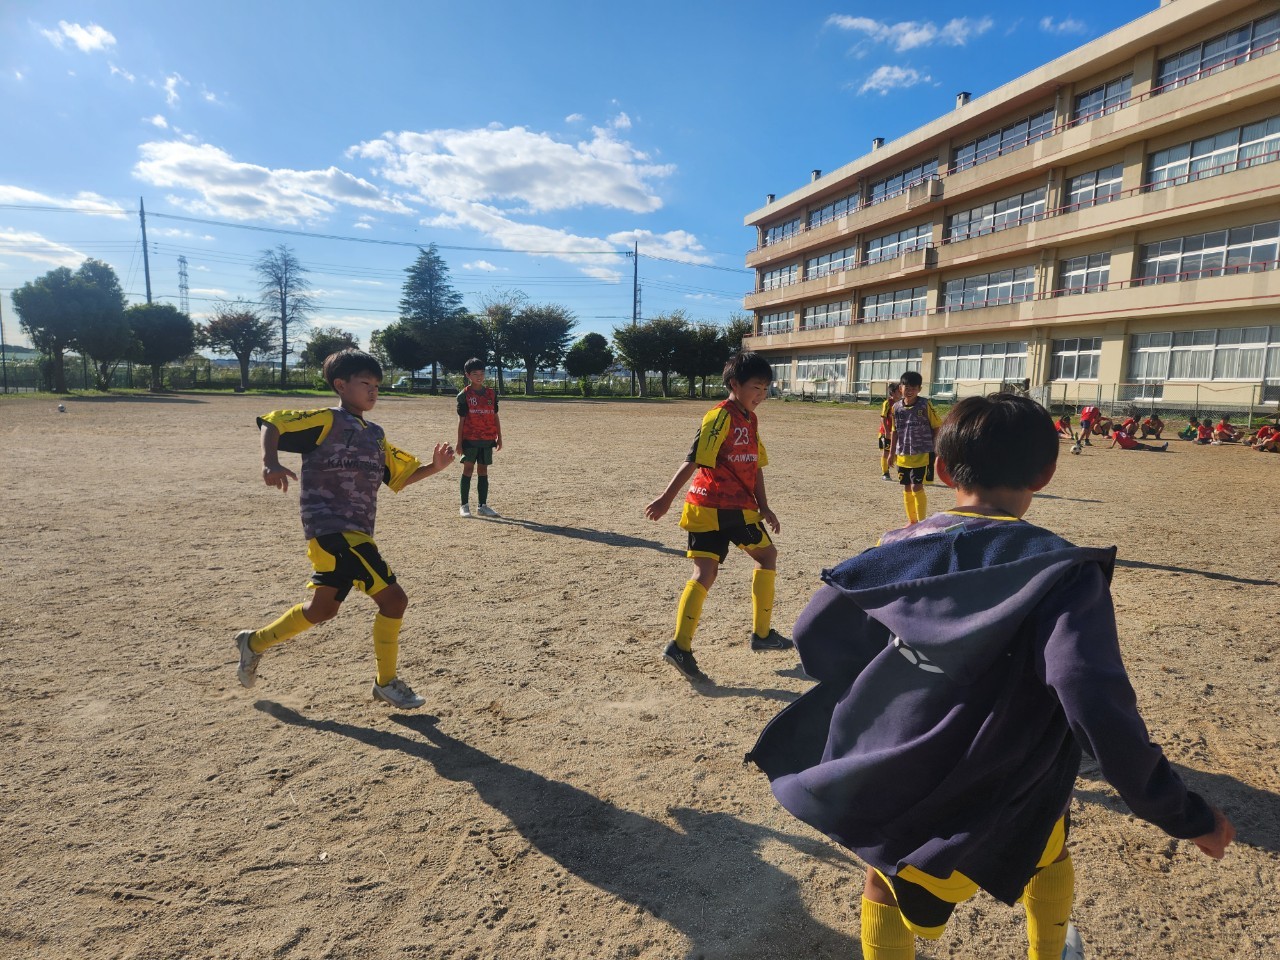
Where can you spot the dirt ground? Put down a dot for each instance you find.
(564, 794)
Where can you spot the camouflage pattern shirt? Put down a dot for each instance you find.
(344, 461)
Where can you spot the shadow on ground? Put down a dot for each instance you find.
(607, 537)
(706, 878)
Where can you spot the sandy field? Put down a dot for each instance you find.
(564, 794)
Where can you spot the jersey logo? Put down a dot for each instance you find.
(915, 657)
(350, 437)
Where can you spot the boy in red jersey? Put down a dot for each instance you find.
(725, 504)
(479, 434)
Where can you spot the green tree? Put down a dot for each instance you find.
(429, 302)
(703, 354)
(324, 341)
(671, 337)
(238, 329)
(48, 314)
(588, 357)
(497, 309)
(736, 329)
(640, 350)
(466, 340)
(284, 286)
(403, 346)
(162, 333)
(539, 336)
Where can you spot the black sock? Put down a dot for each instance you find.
(482, 489)
(466, 489)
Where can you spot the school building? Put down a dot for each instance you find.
(1105, 226)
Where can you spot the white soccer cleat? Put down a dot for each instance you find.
(398, 694)
(248, 669)
(486, 511)
(464, 510)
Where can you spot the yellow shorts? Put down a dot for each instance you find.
(345, 560)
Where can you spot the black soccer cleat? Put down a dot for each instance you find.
(773, 641)
(683, 661)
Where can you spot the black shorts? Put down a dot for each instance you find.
(714, 544)
(882, 442)
(346, 560)
(478, 451)
(912, 476)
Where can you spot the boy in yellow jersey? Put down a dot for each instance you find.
(886, 428)
(726, 504)
(962, 666)
(915, 423)
(345, 459)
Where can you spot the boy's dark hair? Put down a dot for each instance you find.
(747, 365)
(911, 378)
(1000, 440)
(348, 363)
(475, 363)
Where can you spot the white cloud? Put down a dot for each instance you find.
(245, 191)
(209, 96)
(621, 122)
(179, 234)
(158, 121)
(888, 77)
(909, 34)
(522, 169)
(121, 72)
(84, 201)
(1067, 25)
(35, 247)
(574, 118)
(484, 265)
(675, 244)
(87, 39)
(367, 283)
(17, 75)
(210, 292)
(361, 225)
(171, 84)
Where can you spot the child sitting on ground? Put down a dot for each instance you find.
(962, 666)
(1189, 431)
(1152, 426)
(1127, 442)
(1063, 426)
(1204, 432)
(1224, 432)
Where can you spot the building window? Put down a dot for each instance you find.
(886, 365)
(1006, 140)
(832, 262)
(911, 302)
(893, 244)
(781, 371)
(900, 182)
(1087, 274)
(781, 277)
(838, 314)
(781, 232)
(1232, 353)
(999, 362)
(834, 210)
(1076, 358)
(990, 289)
(1250, 249)
(782, 322)
(1095, 187)
(1000, 215)
(1223, 51)
(1102, 100)
(1234, 149)
(823, 366)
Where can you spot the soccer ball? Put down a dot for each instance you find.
(62, 408)
(1075, 448)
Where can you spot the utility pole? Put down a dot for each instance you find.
(635, 297)
(4, 359)
(184, 287)
(146, 262)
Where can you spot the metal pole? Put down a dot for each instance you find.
(146, 262)
(4, 359)
(635, 297)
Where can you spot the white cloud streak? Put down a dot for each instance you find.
(85, 201)
(910, 34)
(39, 249)
(121, 72)
(171, 84)
(889, 77)
(86, 39)
(1066, 25)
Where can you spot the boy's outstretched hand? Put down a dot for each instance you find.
(1215, 844)
(442, 456)
(771, 518)
(657, 509)
(278, 477)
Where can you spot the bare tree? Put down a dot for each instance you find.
(284, 289)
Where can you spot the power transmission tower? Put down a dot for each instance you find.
(184, 288)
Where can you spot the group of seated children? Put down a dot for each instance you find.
(1266, 440)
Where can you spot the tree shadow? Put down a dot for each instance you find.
(706, 879)
(607, 537)
(1209, 574)
(1254, 812)
(135, 398)
(715, 691)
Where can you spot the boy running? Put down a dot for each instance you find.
(915, 423)
(345, 459)
(479, 434)
(959, 677)
(725, 504)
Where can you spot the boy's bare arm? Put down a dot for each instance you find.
(658, 508)
(273, 473)
(762, 501)
(441, 457)
(498, 424)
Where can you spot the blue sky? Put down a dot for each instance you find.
(532, 142)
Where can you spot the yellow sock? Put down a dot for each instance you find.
(1047, 901)
(688, 613)
(386, 647)
(884, 934)
(922, 504)
(286, 628)
(909, 499)
(762, 601)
